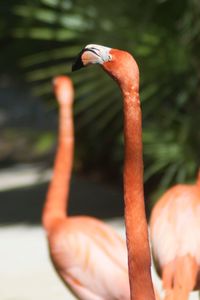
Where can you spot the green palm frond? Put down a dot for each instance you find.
(164, 38)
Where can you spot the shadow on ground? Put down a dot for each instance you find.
(24, 205)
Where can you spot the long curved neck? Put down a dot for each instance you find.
(58, 191)
(135, 219)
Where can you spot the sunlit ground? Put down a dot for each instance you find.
(26, 272)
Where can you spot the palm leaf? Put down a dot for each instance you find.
(164, 38)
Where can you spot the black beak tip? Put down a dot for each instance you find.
(78, 64)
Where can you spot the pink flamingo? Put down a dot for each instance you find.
(175, 233)
(122, 67)
(89, 256)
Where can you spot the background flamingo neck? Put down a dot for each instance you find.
(198, 178)
(135, 218)
(58, 191)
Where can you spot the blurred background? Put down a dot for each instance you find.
(39, 40)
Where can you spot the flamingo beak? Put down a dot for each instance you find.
(91, 54)
(84, 58)
(78, 64)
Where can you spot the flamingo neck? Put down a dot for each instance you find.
(58, 191)
(135, 219)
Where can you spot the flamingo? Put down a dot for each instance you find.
(122, 67)
(175, 234)
(89, 256)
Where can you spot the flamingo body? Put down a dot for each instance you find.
(91, 258)
(175, 233)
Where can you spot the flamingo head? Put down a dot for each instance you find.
(119, 64)
(63, 89)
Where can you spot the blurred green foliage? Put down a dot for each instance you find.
(163, 36)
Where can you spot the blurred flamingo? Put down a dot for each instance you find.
(122, 67)
(89, 256)
(175, 233)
